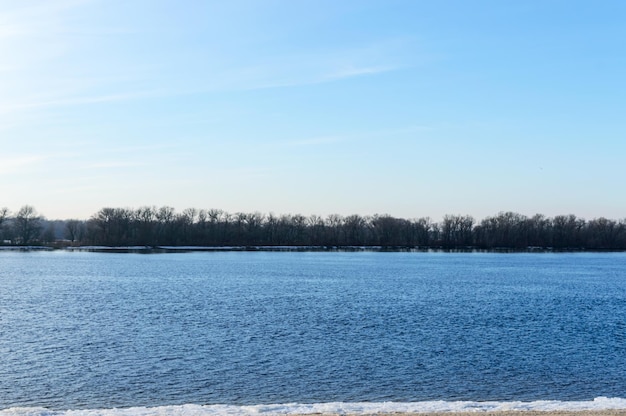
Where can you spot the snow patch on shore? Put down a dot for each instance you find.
(598, 404)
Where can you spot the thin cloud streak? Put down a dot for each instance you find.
(358, 72)
(28, 20)
(333, 65)
(246, 73)
(10, 108)
(22, 29)
(245, 173)
(316, 141)
(322, 79)
(333, 139)
(135, 149)
(113, 165)
(10, 165)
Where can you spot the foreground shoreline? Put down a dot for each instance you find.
(158, 412)
(613, 412)
(600, 406)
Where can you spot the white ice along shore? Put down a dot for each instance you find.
(598, 404)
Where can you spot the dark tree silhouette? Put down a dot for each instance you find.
(152, 226)
(4, 215)
(27, 225)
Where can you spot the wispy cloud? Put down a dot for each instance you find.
(415, 128)
(358, 72)
(315, 141)
(158, 147)
(35, 17)
(49, 35)
(322, 77)
(9, 165)
(71, 101)
(357, 135)
(113, 165)
(304, 69)
(71, 190)
(160, 93)
(44, 65)
(245, 173)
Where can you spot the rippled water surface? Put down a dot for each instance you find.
(99, 330)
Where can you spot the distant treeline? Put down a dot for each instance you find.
(152, 226)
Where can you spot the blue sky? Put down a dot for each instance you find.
(411, 108)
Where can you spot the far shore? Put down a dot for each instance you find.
(182, 249)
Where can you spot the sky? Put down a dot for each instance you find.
(412, 108)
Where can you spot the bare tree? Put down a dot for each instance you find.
(603, 233)
(317, 230)
(74, 230)
(27, 224)
(334, 223)
(166, 231)
(567, 231)
(145, 218)
(4, 215)
(456, 231)
(163, 226)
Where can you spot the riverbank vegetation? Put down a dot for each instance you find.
(163, 226)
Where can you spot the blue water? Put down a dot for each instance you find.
(100, 330)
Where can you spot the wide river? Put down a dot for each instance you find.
(103, 330)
